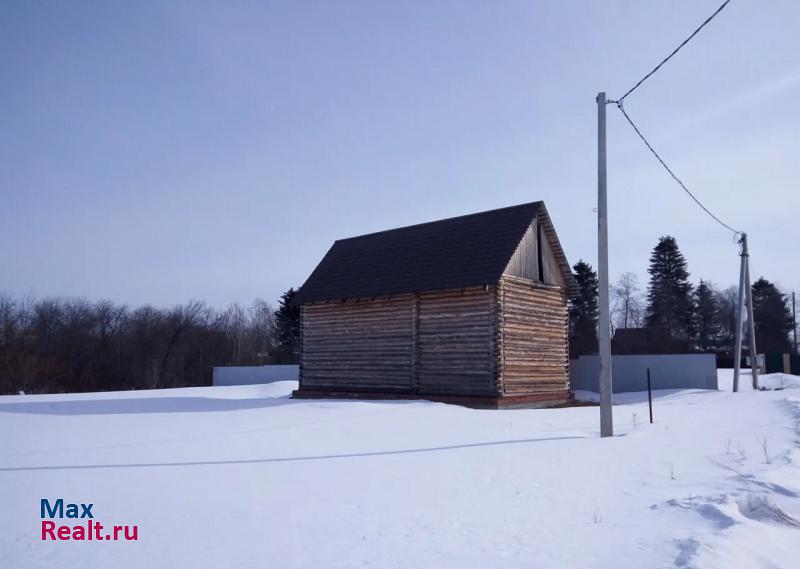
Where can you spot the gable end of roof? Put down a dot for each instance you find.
(459, 252)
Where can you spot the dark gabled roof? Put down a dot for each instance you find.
(471, 250)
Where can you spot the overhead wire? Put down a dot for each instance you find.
(619, 102)
(676, 50)
(671, 173)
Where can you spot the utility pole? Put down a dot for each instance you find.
(737, 358)
(794, 322)
(745, 291)
(750, 315)
(606, 402)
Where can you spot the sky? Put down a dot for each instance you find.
(153, 152)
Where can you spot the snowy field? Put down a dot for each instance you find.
(246, 477)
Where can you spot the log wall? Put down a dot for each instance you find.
(505, 340)
(532, 337)
(358, 345)
(438, 342)
(456, 342)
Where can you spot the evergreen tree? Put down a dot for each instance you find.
(773, 320)
(584, 312)
(669, 302)
(706, 318)
(287, 330)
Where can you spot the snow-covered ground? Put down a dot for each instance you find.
(246, 477)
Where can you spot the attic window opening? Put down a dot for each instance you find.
(539, 266)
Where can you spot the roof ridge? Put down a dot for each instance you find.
(467, 250)
(528, 204)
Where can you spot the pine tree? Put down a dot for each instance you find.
(706, 318)
(584, 312)
(287, 330)
(669, 303)
(773, 320)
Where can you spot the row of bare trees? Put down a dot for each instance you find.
(629, 309)
(64, 344)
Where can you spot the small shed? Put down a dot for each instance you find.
(469, 310)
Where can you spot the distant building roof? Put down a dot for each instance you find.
(471, 250)
(632, 341)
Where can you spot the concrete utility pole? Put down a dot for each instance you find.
(794, 322)
(748, 290)
(745, 291)
(737, 358)
(606, 402)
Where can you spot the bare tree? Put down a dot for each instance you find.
(262, 324)
(63, 344)
(235, 324)
(727, 300)
(178, 322)
(627, 302)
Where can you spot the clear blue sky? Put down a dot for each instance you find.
(153, 152)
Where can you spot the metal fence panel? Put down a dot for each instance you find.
(668, 371)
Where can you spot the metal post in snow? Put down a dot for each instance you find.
(606, 402)
(650, 395)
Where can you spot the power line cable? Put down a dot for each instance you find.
(671, 173)
(620, 106)
(676, 50)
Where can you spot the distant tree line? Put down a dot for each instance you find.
(72, 345)
(673, 315)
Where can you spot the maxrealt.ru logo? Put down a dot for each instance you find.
(88, 530)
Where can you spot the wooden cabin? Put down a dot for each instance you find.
(469, 310)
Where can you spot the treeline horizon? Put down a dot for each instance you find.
(675, 315)
(66, 344)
